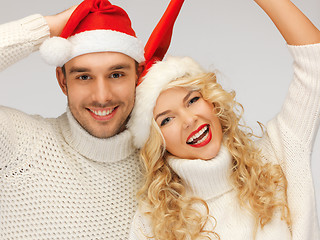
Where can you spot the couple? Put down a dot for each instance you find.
(76, 177)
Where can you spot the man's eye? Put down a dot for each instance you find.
(116, 75)
(84, 77)
(165, 121)
(193, 100)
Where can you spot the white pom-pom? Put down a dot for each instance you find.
(56, 51)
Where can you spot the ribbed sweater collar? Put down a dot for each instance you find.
(109, 150)
(205, 179)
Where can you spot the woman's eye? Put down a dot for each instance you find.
(193, 100)
(165, 121)
(116, 75)
(84, 77)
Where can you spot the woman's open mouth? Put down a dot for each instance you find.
(200, 137)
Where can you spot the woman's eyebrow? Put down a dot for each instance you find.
(168, 111)
(161, 114)
(188, 95)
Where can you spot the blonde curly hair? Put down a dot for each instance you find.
(174, 215)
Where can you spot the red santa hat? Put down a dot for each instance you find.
(94, 26)
(157, 74)
(160, 39)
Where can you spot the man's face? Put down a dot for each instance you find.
(101, 89)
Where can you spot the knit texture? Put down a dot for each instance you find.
(56, 180)
(52, 188)
(20, 38)
(288, 141)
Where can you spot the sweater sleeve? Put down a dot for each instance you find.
(20, 38)
(290, 137)
(301, 110)
(294, 129)
(17, 40)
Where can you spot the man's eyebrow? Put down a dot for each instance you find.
(112, 68)
(161, 114)
(119, 67)
(78, 70)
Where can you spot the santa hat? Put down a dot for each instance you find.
(156, 74)
(160, 39)
(94, 26)
(157, 78)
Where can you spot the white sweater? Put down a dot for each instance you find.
(288, 141)
(56, 180)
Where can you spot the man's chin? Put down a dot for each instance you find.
(103, 133)
(100, 130)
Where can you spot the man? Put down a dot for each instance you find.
(75, 177)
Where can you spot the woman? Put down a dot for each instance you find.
(205, 177)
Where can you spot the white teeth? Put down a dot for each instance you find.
(102, 113)
(202, 139)
(198, 134)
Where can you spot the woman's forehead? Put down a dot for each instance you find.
(171, 98)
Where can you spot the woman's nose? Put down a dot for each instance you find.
(189, 119)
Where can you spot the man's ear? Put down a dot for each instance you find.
(61, 80)
(141, 68)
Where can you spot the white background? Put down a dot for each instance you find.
(234, 36)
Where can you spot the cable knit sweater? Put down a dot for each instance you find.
(56, 180)
(288, 141)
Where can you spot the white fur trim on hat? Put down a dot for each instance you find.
(158, 76)
(57, 51)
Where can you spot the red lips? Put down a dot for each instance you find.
(207, 134)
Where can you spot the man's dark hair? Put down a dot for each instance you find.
(63, 68)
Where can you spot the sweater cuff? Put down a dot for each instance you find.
(305, 53)
(37, 28)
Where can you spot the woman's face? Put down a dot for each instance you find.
(188, 123)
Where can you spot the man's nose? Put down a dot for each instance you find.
(102, 91)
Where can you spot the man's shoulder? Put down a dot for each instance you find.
(19, 119)
(21, 136)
